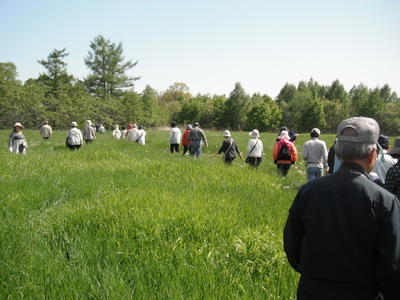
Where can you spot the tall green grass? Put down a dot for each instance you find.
(117, 220)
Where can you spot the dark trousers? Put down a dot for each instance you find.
(283, 169)
(174, 147)
(315, 289)
(185, 149)
(75, 147)
(254, 161)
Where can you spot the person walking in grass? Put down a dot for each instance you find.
(132, 134)
(254, 150)
(185, 142)
(175, 135)
(229, 148)
(315, 154)
(116, 132)
(342, 233)
(141, 136)
(46, 131)
(195, 136)
(17, 143)
(284, 153)
(89, 133)
(75, 137)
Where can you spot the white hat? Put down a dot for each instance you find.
(73, 124)
(89, 123)
(315, 130)
(116, 127)
(18, 125)
(227, 133)
(284, 135)
(254, 133)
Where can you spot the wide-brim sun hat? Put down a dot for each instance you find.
(227, 133)
(284, 135)
(18, 125)
(254, 133)
(396, 148)
(74, 124)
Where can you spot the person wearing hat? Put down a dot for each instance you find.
(284, 153)
(175, 135)
(46, 131)
(132, 134)
(141, 136)
(230, 148)
(116, 132)
(185, 142)
(101, 129)
(74, 137)
(392, 183)
(130, 126)
(195, 136)
(383, 162)
(315, 154)
(17, 143)
(254, 150)
(342, 233)
(89, 133)
(292, 136)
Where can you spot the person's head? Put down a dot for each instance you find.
(284, 135)
(283, 128)
(116, 127)
(89, 123)
(227, 134)
(74, 124)
(123, 127)
(189, 127)
(46, 122)
(196, 124)
(134, 126)
(130, 126)
(140, 127)
(395, 151)
(383, 140)
(315, 133)
(173, 124)
(18, 127)
(254, 133)
(357, 139)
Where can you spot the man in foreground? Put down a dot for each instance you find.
(342, 233)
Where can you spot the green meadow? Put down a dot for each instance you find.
(117, 220)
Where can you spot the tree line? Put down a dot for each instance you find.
(107, 96)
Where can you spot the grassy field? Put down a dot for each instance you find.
(117, 220)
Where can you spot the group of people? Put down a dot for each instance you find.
(192, 140)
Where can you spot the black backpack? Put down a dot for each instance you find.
(284, 153)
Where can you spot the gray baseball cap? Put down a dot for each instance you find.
(367, 130)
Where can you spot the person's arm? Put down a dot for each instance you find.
(304, 154)
(238, 151)
(294, 154)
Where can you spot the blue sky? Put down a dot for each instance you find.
(212, 44)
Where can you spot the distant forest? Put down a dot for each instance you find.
(107, 96)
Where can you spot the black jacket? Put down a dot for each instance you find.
(343, 228)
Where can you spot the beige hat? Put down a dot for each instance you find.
(18, 125)
(73, 124)
(316, 130)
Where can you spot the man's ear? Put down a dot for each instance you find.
(372, 157)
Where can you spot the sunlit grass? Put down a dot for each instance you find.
(117, 220)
